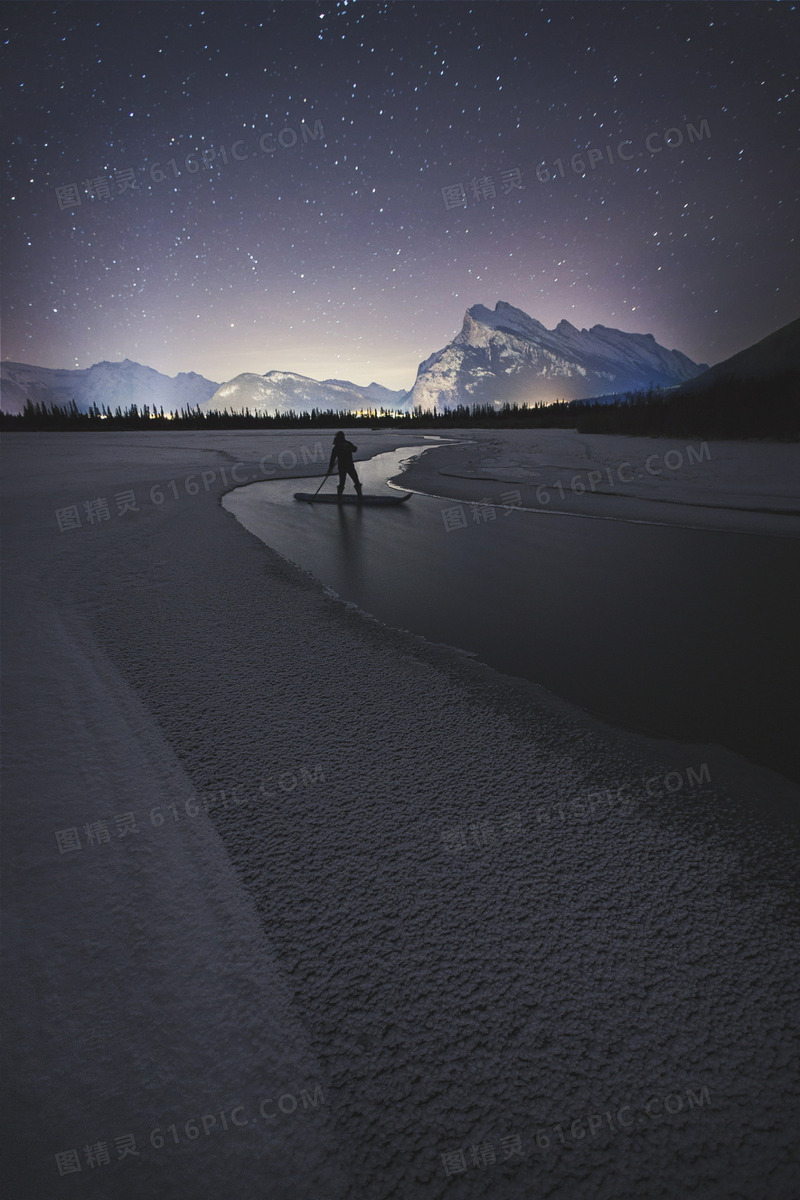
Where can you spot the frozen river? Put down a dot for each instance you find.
(681, 632)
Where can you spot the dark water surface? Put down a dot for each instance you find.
(684, 633)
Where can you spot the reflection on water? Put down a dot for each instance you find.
(350, 530)
(343, 545)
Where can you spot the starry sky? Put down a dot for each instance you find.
(237, 186)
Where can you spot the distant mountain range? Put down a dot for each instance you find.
(115, 384)
(498, 356)
(280, 391)
(506, 356)
(125, 383)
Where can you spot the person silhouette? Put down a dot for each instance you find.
(342, 454)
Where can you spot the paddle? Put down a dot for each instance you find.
(319, 489)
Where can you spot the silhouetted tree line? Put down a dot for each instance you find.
(728, 408)
(68, 417)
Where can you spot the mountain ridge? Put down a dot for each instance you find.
(284, 391)
(775, 354)
(498, 355)
(113, 384)
(504, 355)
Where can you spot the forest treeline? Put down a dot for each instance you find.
(54, 417)
(728, 408)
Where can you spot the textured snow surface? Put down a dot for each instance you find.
(323, 932)
(725, 485)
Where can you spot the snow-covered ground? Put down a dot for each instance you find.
(427, 931)
(695, 482)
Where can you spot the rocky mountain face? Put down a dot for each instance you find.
(506, 356)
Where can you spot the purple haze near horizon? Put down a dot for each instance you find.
(337, 255)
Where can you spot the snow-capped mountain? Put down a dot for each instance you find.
(279, 391)
(776, 354)
(501, 355)
(505, 355)
(115, 384)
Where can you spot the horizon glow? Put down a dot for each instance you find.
(315, 237)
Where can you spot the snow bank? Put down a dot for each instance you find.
(749, 486)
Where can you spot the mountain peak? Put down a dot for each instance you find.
(282, 391)
(504, 316)
(503, 355)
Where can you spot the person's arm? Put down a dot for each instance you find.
(333, 459)
(353, 449)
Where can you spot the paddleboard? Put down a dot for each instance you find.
(350, 498)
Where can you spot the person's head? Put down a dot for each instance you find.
(339, 436)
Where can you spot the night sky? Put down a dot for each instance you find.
(339, 254)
